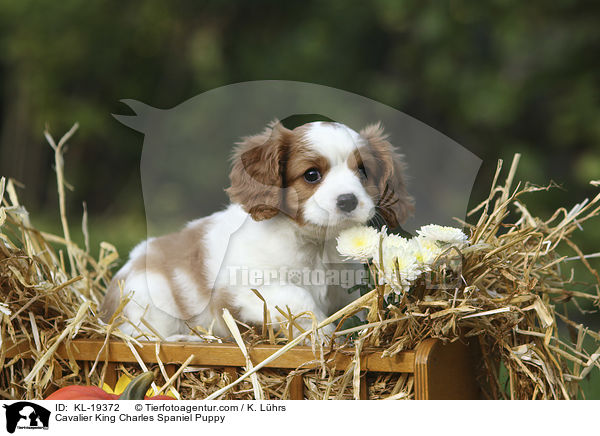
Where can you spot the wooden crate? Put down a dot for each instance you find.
(440, 371)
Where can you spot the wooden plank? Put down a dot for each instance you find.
(422, 356)
(111, 374)
(56, 374)
(170, 369)
(297, 387)
(445, 372)
(215, 355)
(364, 388)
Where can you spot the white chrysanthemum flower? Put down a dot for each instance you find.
(426, 251)
(395, 242)
(400, 266)
(391, 246)
(360, 243)
(444, 234)
(402, 277)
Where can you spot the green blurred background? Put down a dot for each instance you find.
(499, 77)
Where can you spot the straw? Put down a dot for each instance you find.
(233, 328)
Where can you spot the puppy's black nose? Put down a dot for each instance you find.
(347, 202)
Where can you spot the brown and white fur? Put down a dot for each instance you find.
(277, 220)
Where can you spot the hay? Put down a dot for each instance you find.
(509, 297)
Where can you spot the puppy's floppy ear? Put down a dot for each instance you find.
(258, 171)
(394, 203)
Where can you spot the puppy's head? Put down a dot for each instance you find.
(320, 174)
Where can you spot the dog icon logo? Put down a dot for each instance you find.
(26, 415)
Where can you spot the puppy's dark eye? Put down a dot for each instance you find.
(312, 175)
(362, 171)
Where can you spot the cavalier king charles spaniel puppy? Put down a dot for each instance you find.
(292, 191)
